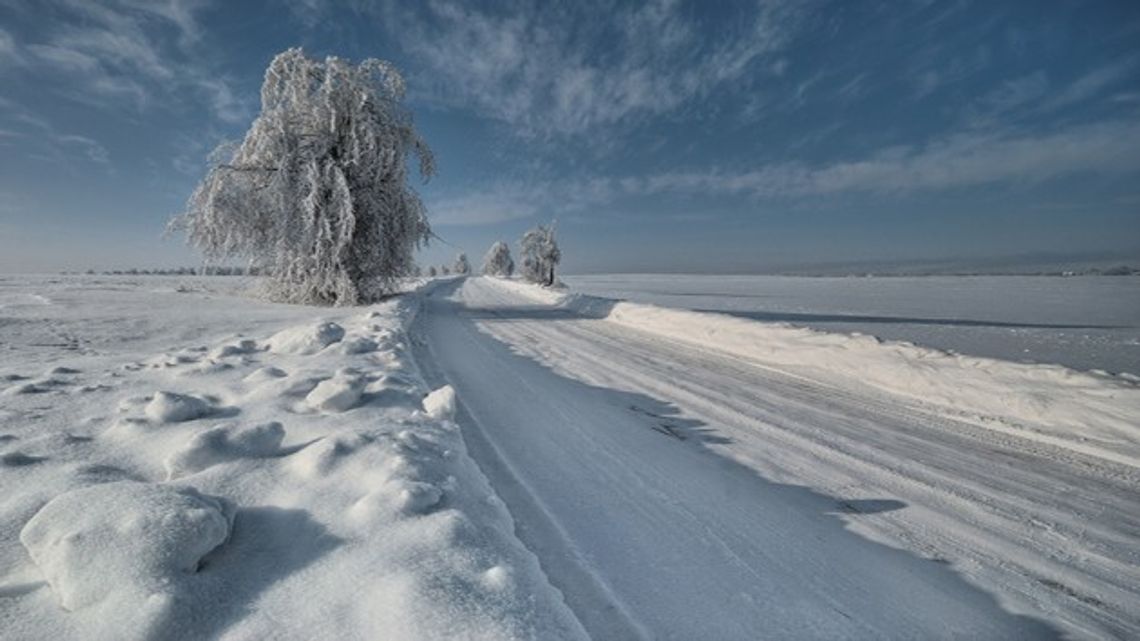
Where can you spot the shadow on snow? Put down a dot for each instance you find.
(742, 488)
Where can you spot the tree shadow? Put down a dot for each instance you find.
(771, 525)
(267, 545)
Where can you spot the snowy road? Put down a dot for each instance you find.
(673, 492)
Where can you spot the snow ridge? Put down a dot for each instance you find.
(1093, 413)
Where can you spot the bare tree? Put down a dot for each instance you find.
(317, 195)
(498, 261)
(540, 254)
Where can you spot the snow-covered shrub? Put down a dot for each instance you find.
(432, 272)
(462, 267)
(540, 254)
(498, 261)
(445, 270)
(317, 195)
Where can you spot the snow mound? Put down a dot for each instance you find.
(224, 443)
(124, 540)
(440, 404)
(264, 374)
(337, 394)
(306, 339)
(168, 407)
(240, 348)
(396, 497)
(358, 345)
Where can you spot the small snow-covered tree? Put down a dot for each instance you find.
(445, 270)
(462, 267)
(498, 261)
(317, 195)
(540, 254)
(431, 271)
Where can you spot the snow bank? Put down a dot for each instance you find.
(124, 541)
(1089, 412)
(333, 502)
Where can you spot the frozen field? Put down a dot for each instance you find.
(487, 459)
(1084, 323)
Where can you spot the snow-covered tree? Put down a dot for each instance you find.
(462, 267)
(317, 195)
(432, 272)
(540, 254)
(445, 270)
(498, 261)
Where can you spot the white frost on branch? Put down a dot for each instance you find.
(540, 254)
(462, 267)
(318, 194)
(498, 261)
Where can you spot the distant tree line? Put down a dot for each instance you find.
(211, 270)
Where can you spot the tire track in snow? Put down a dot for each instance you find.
(694, 544)
(1027, 519)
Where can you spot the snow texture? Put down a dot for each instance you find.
(305, 340)
(1086, 411)
(169, 407)
(225, 443)
(317, 500)
(441, 403)
(678, 481)
(128, 542)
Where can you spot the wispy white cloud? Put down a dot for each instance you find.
(487, 207)
(541, 73)
(938, 65)
(1095, 82)
(1010, 95)
(49, 143)
(116, 52)
(94, 151)
(8, 51)
(958, 161)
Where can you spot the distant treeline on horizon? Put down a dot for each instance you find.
(1120, 270)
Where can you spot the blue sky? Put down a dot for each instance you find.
(663, 136)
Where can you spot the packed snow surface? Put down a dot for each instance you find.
(485, 459)
(686, 475)
(1082, 322)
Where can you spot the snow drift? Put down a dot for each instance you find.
(1090, 412)
(297, 480)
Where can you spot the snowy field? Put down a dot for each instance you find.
(1084, 322)
(180, 462)
(484, 459)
